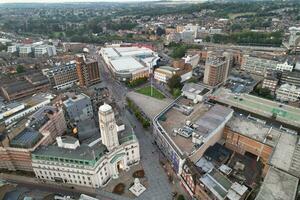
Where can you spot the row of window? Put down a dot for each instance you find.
(58, 174)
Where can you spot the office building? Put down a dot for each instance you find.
(78, 107)
(270, 82)
(164, 73)
(25, 50)
(63, 76)
(17, 143)
(87, 71)
(216, 69)
(26, 107)
(195, 92)
(26, 86)
(288, 92)
(284, 67)
(44, 50)
(292, 78)
(259, 66)
(12, 49)
(183, 131)
(92, 165)
(294, 36)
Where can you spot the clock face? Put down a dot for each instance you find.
(111, 127)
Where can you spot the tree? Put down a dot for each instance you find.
(174, 82)
(20, 69)
(180, 197)
(176, 92)
(179, 52)
(160, 31)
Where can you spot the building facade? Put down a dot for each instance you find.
(63, 76)
(87, 71)
(216, 70)
(288, 92)
(92, 165)
(40, 129)
(270, 83)
(259, 66)
(79, 107)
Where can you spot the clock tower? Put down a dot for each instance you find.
(108, 127)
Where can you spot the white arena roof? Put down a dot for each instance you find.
(127, 51)
(126, 64)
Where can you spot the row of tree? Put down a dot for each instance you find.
(249, 37)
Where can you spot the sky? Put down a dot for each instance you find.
(63, 1)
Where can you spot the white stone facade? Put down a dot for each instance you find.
(88, 165)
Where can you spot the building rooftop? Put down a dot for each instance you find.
(81, 154)
(278, 185)
(195, 88)
(17, 86)
(254, 129)
(126, 51)
(39, 118)
(284, 113)
(126, 64)
(203, 119)
(217, 183)
(286, 156)
(26, 139)
(73, 98)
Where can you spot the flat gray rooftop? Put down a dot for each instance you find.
(286, 155)
(278, 185)
(254, 130)
(205, 117)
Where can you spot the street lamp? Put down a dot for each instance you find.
(151, 74)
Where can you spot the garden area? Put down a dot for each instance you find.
(147, 91)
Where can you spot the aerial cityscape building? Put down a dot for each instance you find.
(160, 100)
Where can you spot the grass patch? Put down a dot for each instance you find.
(138, 174)
(119, 189)
(147, 91)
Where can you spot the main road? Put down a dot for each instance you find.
(159, 185)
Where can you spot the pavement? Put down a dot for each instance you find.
(150, 106)
(159, 187)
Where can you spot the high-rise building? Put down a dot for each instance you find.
(216, 69)
(87, 71)
(63, 76)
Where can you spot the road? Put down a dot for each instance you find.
(159, 185)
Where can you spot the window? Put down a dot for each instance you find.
(89, 178)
